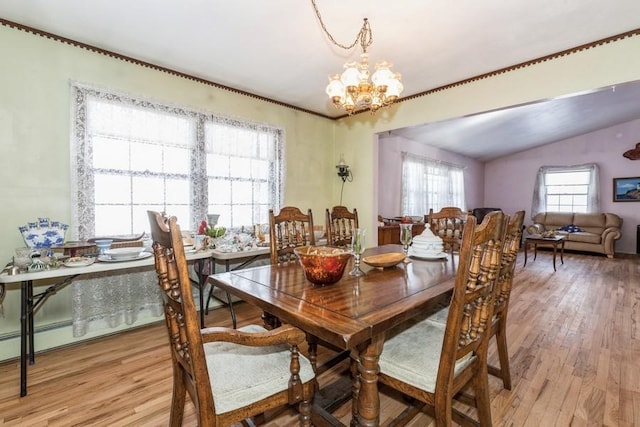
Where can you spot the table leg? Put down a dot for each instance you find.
(525, 253)
(201, 283)
(24, 321)
(535, 251)
(234, 321)
(31, 334)
(555, 249)
(368, 399)
(562, 252)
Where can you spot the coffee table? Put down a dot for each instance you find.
(537, 240)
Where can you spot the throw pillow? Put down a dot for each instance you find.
(571, 228)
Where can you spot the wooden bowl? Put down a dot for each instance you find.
(384, 260)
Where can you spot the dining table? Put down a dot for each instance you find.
(353, 314)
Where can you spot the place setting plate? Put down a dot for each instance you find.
(427, 257)
(79, 261)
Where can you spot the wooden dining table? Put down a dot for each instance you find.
(353, 314)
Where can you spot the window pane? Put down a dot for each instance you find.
(559, 178)
(112, 189)
(146, 157)
(147, 190)
(219, 191)
(110, 153)
(241, 192)
(242, 215)
(113, 220)
(178, 191)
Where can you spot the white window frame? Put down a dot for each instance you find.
(553, 193)
(428, 183)
(198, 201)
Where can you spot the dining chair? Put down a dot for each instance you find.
(289, 229)
(340, 224)
(230, 374)
(501, 307)
(432, 362)
(510, 251)
(448, 224)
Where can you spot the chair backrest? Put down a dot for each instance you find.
(340, 224)
(448, 224)
(288, 230)
(468, 325)
(509, 257)
(182, 321)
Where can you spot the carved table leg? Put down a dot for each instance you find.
(368, 398)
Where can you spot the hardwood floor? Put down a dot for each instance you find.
(574, 342)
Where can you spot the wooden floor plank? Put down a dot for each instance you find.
(573, 334)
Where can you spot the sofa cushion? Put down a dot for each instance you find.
(584, 237)
(591, 222)
(554, 220)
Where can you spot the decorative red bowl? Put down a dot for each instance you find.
(323, 265)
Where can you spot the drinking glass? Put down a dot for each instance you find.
(357, 247)
(405, 236)
(22, 258)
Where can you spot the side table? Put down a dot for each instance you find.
(536, 240)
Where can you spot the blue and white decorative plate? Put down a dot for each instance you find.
(44, 233)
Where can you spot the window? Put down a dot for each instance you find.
(130, 156)
(566, 189)
(430, 183)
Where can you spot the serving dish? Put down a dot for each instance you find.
(141, 255)
(322, 265)
(124, 253)
(79, 261)
(384, 260)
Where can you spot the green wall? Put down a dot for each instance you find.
(35, 131)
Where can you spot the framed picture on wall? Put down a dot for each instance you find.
(626, 189)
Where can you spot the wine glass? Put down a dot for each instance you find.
(357, 247)
(405, 236)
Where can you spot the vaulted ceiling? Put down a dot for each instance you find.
(277, 50)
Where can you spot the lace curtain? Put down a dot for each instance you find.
(539, 202)
(102, 120)
(428, 183)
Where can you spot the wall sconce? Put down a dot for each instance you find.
(343, 170)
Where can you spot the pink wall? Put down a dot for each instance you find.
(390, 150)
(509, 180)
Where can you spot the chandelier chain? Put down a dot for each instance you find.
(365, 36)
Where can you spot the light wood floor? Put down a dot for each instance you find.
(574, 342)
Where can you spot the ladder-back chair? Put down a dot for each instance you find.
(229, 374)
(448, 224)
(289, 229)
(432, 362)
(340, 224)
(505, 283)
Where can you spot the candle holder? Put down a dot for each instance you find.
(357, 247)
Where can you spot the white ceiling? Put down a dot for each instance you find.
(276, 49)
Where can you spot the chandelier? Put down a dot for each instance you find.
(356, 89)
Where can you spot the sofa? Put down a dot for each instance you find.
(590, 232)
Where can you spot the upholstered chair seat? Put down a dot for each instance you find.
(399, 358)
(251, 373)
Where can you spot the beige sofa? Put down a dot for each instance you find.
(599, 230)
